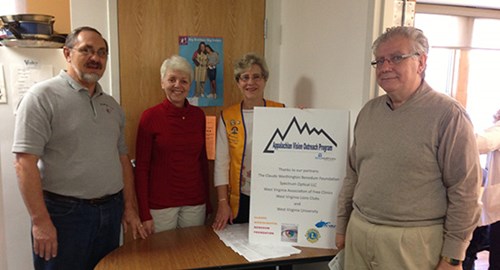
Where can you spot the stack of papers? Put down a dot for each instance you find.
(236, 237)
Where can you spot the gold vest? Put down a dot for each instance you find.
(236, 137)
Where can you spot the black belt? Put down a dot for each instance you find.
(96, 201)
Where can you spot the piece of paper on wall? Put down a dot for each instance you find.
(210, 136)
(3, 88)
(24, 76)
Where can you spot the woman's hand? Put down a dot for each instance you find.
(149, 227)
(224, 214)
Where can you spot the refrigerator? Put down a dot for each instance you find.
(19, 69)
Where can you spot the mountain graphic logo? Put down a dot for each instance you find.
(301, 129)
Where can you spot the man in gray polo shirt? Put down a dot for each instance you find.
(71, 160)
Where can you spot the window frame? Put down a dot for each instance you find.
(459, 87)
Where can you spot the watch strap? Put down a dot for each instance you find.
(452, 261)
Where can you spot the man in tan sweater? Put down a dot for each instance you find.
(410, 196)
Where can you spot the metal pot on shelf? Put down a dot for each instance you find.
(29, 30)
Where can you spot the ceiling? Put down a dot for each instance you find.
(469, 3)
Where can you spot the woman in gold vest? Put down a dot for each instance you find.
(232, 175)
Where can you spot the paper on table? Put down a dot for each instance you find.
(236, 237)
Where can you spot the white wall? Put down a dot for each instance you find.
(3, 246)
(102, 15)
(318, 53)
(7, 7)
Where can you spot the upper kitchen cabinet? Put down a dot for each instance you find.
(57, 8)
(30, 24)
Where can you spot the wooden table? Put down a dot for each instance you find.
(195, 248)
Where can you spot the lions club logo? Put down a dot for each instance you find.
(313, 235)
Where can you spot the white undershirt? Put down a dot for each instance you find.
(222, 157)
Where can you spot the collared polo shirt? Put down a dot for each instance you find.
(78, 138)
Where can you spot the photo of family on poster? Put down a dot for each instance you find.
(206, 57)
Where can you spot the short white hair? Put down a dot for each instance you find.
(177, 63)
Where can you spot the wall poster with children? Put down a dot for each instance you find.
(206, 56)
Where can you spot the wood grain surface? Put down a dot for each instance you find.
(191, 248)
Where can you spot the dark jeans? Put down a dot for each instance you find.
(495, 246)
(211, 74)
(85, 232)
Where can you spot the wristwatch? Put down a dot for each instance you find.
(452, 261)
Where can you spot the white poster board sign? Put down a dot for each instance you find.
(298, 165)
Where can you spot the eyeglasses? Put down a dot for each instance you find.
(255, 77)
(102, 53)
(395, 59)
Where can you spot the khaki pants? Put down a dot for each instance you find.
(370, 246)
(178, 217)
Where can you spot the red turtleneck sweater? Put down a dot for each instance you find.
(171, 161)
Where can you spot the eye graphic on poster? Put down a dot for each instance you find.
(206, 57)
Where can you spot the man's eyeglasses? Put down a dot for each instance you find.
(102, 53)
(254, 77)
(395, 59)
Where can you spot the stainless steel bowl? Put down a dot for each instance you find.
(27, 26)
(28, 18)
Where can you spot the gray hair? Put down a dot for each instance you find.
(246, 63)
(177, 63)
(416, 36)
(72, 37)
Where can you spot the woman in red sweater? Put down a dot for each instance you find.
(171, 173)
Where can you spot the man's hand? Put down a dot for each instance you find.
(30, 184)
(443, 265)
(130, 218)
(44, 239)
(340, 241)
